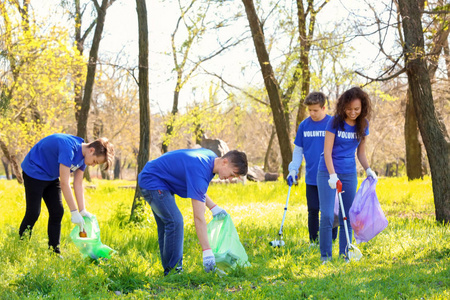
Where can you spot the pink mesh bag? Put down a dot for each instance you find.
(366, 217)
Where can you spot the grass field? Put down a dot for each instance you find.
(410, 259)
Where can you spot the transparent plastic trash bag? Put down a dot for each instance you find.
(225, 244)
(90, 246)
(366, 217)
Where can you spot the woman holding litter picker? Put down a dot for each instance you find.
(345, 133)
(46, 172)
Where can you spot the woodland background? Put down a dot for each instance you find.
(57, 76)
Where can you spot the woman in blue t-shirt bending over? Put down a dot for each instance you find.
(46, 172)
(345, 132)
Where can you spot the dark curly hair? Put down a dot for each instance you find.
(362, 120)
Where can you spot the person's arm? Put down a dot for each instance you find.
(64, 175)
(209, 261)
(215, 209)
(79, 193)
(327, 155)
(361, 154)
(297, 157)
(198, 208)
(328, 150)
(208, 202)
(78, 189)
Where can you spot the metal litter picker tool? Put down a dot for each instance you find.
(353, 253)
(279, 242)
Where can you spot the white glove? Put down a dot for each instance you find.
(333, 180)
(218, 212)
(209, 261)
(85, 213)
(77, 219)
(292, 177)
(371, 173)
(297, 157)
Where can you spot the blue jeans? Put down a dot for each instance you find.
(169, 221)
(327, 198)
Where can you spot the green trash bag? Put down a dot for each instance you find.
(90, 246)
(224, 241)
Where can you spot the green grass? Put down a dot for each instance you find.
(410, 259)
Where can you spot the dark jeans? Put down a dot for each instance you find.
(170, 227)
(312, 198)
(50, 191)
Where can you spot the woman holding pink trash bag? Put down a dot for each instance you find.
(366, 217)
(345, 133)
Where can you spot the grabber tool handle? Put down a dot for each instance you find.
(339, 186)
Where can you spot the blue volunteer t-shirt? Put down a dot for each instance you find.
(344, 147)
(43, 160)
(311, 136)
(185, 172)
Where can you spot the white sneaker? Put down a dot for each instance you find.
(313, 245)
(325, 260)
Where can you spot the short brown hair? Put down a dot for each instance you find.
(104, 148)
(316, 98)
(239, 160)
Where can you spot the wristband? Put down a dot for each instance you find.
(215, 210)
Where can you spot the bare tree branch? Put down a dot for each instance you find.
(379, 78)
(86, 33)
(236, 87)
(436, 12)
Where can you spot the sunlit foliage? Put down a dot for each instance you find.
(37, 64)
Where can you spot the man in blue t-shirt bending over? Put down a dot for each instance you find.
(187, 173)
(309, 142)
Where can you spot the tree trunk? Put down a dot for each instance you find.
(271, 85)
(198, 132)
(13, 161)
(434, 133)
(447, 58)
(144, 99)
(117, 167)
(413, 147)
(269, 149)
(305, 45)
(90, 77)
(169, 128)
(79, 43)
(440, 39)
(5, 163)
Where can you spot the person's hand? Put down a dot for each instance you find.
(85, 213)
(371, 173)
(218, 212)
(209, 261)
(333, 180)
(77, 219)
(291, 178)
